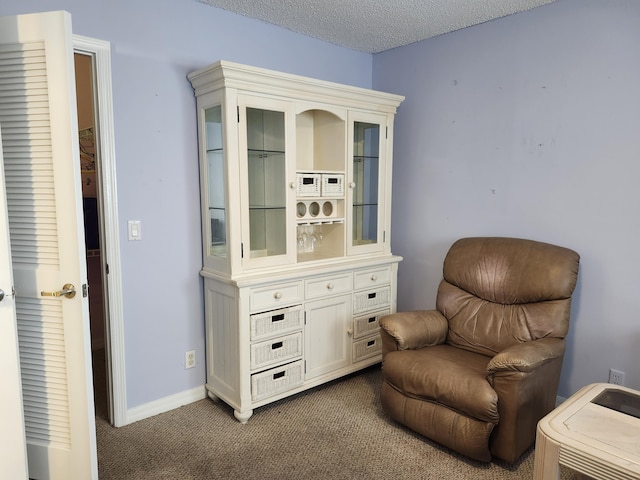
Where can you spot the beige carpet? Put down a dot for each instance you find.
(336, 431)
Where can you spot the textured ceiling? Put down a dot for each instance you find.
(374, 25)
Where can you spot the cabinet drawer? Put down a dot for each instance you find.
(326, 286)
(276, 380)
(367, 348)
(371, 299)
(277, 350)
(372, 277)
(368, 324)
(276, 322)
(274, 296)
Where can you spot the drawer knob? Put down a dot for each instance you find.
(352, 184)
(277, 295)
(329, 286)
(292, 185)
(374, 277)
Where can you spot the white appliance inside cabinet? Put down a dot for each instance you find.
(296, 190)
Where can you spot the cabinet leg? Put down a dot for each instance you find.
(212, 396)
(243, 417)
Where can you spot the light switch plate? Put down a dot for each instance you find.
(135, 230)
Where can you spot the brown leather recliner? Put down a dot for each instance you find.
(480, 371)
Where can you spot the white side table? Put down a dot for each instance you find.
(600, 442)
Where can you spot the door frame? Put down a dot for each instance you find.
(100, 51)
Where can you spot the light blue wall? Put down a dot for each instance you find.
(154, 44)
(528, 126)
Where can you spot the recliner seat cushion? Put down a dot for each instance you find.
(447, 375)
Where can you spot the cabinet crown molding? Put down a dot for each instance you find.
(244, 77)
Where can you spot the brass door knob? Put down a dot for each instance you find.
(68, 290)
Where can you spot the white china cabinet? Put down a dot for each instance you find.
(296, 192)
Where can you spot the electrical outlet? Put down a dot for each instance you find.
(190, 359)
(616, 377)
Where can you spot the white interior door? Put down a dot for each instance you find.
(13, 447)
(41, 155)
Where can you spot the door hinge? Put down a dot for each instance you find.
(238, 110)
(305, 318)
(386, 132)
(85, 290)
(106, 268)
(384, 236)
(241, 250)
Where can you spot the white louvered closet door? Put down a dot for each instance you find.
(42, 176)
(13, 446)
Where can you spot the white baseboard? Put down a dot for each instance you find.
(165, 404)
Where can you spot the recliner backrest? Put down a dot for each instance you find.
(500, 291)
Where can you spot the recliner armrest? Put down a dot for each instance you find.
(525, 377)
(526, 357)
(413, 330)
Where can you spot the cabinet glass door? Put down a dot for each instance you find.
(366, 163)
(367, 158)
(267, 192)
(217, 207)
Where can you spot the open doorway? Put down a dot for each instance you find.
(97, 164)
(93, 227)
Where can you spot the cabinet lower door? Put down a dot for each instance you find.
(327, 338)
